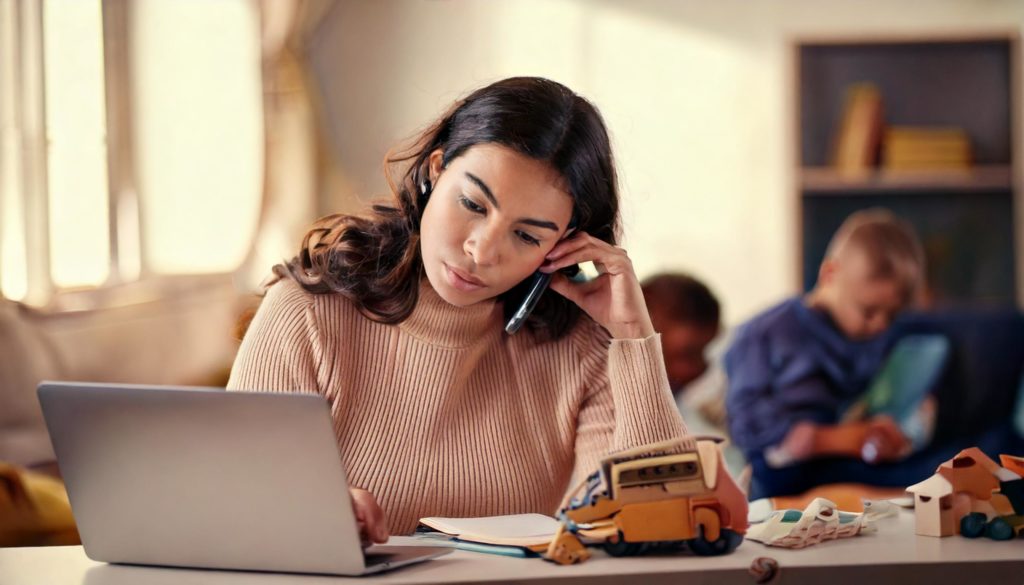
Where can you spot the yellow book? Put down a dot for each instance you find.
(924, 149)
(859, 135)
(926, 133)
(919, 147)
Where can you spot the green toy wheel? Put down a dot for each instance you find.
(999, 529)
(973, 525)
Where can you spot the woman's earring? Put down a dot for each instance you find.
(425, 188)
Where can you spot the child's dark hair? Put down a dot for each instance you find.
(681, 298)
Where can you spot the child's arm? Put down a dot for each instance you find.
(874, 440)
(760, 413)
(776, 413)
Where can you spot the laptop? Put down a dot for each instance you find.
(200, 477)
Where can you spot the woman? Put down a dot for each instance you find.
(397, 318)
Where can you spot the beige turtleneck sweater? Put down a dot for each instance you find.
(446, 415)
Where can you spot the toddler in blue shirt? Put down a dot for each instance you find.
(795, 369)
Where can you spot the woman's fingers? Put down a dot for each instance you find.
(369, 515)
(608, 259)
(614, 300)
(364, 535)
(577, 242)
(575, 291)
(561, 285)
(568, 245)
(364, 531)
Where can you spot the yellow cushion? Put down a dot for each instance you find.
(34, 509)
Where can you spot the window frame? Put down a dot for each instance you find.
(130, 279)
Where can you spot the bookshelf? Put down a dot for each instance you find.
(824, 181)
(967, 217)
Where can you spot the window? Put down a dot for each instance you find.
(76, 153)
(198, 132)
(132, 141)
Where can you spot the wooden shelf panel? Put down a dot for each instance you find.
(829, 181)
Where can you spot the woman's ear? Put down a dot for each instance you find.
(435, 164)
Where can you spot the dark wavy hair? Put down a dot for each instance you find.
(373, 259)
(681, 298)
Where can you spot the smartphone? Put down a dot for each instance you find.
(538, 283)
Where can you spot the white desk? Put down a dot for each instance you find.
(894, 554)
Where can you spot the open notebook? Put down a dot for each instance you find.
(531, 531)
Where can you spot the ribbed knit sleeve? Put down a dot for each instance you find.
(281, 349)
(628, 401)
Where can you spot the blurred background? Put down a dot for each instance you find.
(159, 156)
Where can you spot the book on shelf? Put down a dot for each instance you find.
(857, 144)
(923, 148)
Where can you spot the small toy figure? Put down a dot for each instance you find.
(821, 520)
(972, 495)
(660, 496)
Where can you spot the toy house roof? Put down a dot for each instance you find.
(935, 486)
(973, 472)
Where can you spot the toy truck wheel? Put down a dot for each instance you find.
(621, 548)
(727, 542)
(999, 529)
(665, 546)
(973, 525)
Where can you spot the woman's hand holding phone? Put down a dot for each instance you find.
(614, 299)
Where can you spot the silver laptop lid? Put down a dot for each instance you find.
(203, 477)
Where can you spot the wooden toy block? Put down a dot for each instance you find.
(971, 495)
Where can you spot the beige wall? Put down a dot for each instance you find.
(697, 96)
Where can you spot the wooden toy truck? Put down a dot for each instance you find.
(664, 495)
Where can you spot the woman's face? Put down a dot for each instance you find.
(492, 217)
